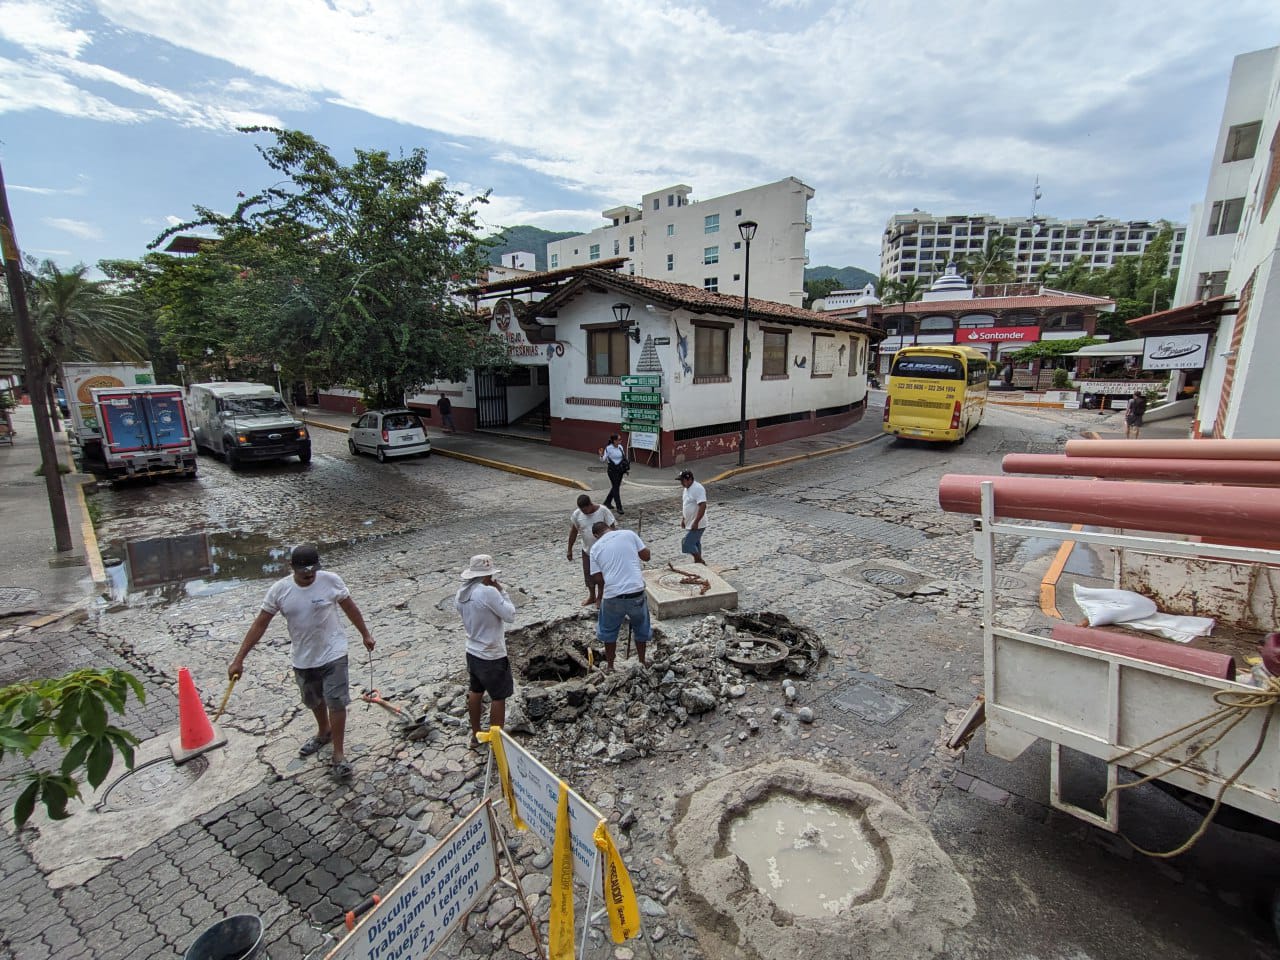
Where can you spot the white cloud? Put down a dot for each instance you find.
(880, 107)
(77, 228)
(41, 26)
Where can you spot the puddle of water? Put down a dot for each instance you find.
(810, 857)
(191, 565)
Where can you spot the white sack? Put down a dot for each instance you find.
(1103, 606)
(1182, 629)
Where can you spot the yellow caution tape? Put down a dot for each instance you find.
(491, 737)
(618, 894)
(561, 919)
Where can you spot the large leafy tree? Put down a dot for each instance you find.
(348, 272)
(1139, 284)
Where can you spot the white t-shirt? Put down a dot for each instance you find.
(617, 556)
(484, 609)
(695, 494)
(316, 634)
(585, 521)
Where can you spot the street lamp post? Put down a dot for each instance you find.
(748, 230)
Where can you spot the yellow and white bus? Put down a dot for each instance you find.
(936, 393)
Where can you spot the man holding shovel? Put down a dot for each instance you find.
(310, 599)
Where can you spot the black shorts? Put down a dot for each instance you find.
(326, 684)
(491, 676)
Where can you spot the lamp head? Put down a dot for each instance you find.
(621, 311)
(748, 230)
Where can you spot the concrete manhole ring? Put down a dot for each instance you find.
(907, 898)
(752, 652)
(675, 583)
(152, 783)
(884, 578)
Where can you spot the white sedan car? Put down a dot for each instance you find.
(389, 433)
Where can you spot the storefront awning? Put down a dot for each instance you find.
(1199, 317)
(1122, 348)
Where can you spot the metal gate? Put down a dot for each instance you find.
(491, 399)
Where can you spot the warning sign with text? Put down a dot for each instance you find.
(423, 908)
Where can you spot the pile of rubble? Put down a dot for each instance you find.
(571, 705)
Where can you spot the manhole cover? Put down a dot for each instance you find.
(152, 784)
(871, 703)
(753, 652)
(18, 598)
(682, 583)
(884, 578)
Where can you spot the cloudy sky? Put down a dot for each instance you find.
(116, 117)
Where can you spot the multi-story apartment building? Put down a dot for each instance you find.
(1230, 292)
(672, 237)
(918, 244)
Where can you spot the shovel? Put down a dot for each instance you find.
(415, 729)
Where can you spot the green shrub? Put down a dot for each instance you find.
(1061, 379)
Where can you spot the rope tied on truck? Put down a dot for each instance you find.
(1234, 707)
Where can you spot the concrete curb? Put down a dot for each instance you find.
(798, 458)
(481, 461)
(92, 553)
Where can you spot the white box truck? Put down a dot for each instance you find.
(246, 421)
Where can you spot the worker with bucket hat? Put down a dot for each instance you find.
(485, 607)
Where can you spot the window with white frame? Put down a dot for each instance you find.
(710, 351)
(671, 229)
(631, 244)
(711, 223)
(617, 247)
(710, 255)
(671, 262)
(825, 352)
(657, 203)
(594, 252)
(711, 283)
(1224, 216)
(555, 260)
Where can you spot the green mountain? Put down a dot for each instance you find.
(848, 278)
(531, 239)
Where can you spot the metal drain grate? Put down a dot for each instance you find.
(884, 578)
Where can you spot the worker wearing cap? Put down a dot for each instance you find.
(693, 515)
(310, 599)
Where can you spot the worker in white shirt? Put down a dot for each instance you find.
(485, 606)
(617, 566)
(693, 515)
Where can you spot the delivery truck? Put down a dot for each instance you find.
(246, 421)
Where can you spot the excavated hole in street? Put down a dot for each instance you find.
(577, 711)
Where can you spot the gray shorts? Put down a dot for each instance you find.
(325, 685)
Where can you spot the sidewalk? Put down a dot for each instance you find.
(36, 582)
(583, 471)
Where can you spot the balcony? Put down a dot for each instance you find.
(808, 222)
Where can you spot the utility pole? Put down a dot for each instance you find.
(37, 385)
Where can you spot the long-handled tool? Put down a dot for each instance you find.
(226, 696)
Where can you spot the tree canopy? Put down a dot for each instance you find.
(1139, 284)
(339, 273)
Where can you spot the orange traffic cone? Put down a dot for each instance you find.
(195, 733)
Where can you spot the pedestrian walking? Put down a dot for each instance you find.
(445, 406)
(586, 516)
(485, 606)
(617, 559)
(309, 599)
(614, 457)
(693, 515)
(1134, 412)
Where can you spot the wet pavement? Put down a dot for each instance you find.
(850, 545)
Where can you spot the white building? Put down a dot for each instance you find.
(806, 372)
(1232, 288)
(673, 238)
(918, 244)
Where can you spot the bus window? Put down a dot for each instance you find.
(929, 368)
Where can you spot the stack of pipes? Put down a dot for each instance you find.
(1226, 491)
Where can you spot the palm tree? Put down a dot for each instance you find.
(903, 292)
(995, 260)
(81, 319)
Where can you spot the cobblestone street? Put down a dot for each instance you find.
(851, 546)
